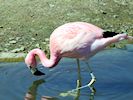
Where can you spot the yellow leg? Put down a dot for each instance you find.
(79, 74)
(93, 79)
(78, 81)
(90, 84)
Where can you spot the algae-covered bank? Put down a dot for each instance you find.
(26, 24)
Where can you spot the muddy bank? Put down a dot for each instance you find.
(27, 24)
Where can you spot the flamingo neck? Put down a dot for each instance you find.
(53, 61)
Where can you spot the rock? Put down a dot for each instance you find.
(11, 38)
(1, 49)
(44, 43)
(7, 44)
(13, 42)
(18, 50)
(37, 45)
(1, 33)
(1, 26)
(115, 16)
(103, 12)
(51, 5)
(18, 38)
(6, 50)
(9, 28)
(33, 39)
(46, 39)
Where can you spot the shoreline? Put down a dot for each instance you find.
(12, 57)
(20, 56)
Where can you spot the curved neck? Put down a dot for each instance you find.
(54, 58)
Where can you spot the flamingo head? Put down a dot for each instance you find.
(31, 63)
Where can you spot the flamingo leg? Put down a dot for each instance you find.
(90, 84)
(93, 79)
(79, 74)
(78, 81)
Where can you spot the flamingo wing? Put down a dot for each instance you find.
(74, 39)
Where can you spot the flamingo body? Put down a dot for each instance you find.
(74, 40)
(78, 40)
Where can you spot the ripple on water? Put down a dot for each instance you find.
(113, 69)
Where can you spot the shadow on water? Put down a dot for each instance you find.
(113, 69)
(32, 91)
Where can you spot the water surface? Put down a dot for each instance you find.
(112, 68)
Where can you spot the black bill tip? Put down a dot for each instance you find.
(35, 71)
(38, 73)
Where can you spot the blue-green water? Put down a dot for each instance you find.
(112, 68)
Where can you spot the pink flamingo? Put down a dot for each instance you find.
(78, 40)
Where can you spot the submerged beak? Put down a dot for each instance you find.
(35, 71)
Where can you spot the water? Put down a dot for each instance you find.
(112, 68)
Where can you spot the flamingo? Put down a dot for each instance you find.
(79, 40)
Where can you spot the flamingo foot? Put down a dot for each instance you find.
(93, 80)
(92, 88)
